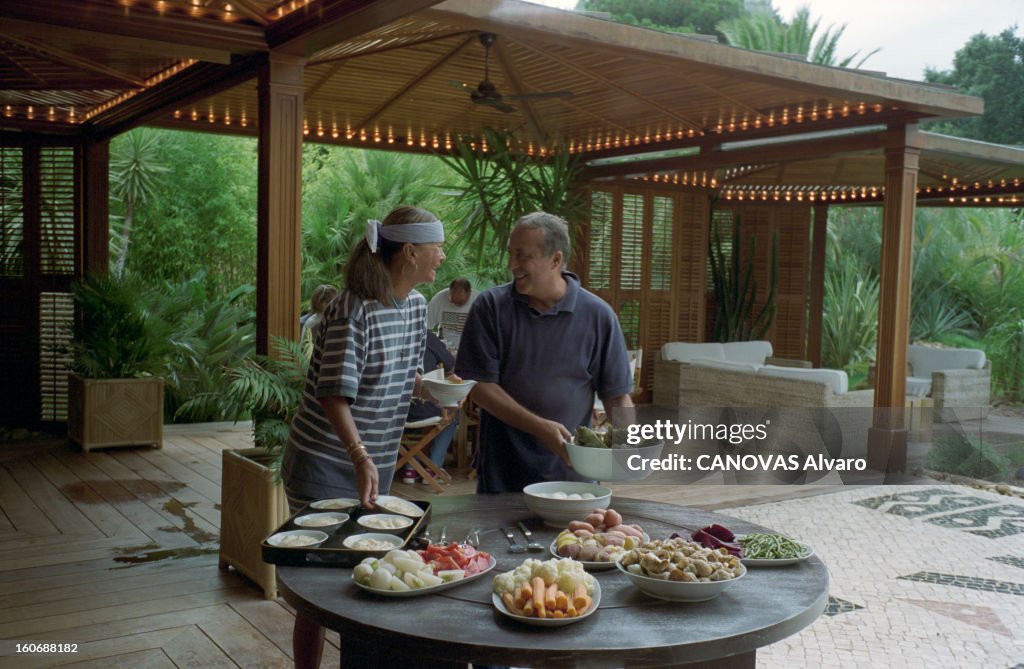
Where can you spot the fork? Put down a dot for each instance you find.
(513, 545)
(530, 543)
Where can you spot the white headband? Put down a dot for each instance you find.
(430, 232)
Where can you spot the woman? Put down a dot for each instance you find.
(345, 436)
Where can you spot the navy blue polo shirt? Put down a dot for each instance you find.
(552, 363)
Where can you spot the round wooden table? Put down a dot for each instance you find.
(629, 629)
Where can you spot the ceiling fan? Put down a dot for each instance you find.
(486, 93)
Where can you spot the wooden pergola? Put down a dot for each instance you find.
(759, 133)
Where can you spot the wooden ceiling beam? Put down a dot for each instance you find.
(197, 82)
(415, 81)
(781, 152)
(329, 22)
(529, 114)
(764, 132)
(246, 8)
(134, 45)
(392, 47)
(139, 21)
(64, 58)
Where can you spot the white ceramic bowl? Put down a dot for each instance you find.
(284, 539)
(448, 393)
(612, 464)
(384, 522)
(680, 591)
(391, 540)
(335, 504)
(559, 511)
(322, 521)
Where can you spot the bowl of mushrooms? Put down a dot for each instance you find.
(680, 571)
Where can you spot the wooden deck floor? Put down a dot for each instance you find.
(117, 551)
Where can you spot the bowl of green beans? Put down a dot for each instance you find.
(772, 550)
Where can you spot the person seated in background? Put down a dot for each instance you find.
(434, 355)
(447, 311)
(322, 296)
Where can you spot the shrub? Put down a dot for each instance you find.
(968, 457)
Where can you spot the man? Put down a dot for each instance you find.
(539, 348)
(446, 312)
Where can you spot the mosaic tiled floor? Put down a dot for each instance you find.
(920, 576)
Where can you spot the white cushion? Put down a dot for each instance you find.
(725, 364)
(681, 351)
(753, 352)
(919, 386)
(425, 422)
(924, 359)
(834, 378)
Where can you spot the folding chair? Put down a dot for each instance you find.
(416, 438)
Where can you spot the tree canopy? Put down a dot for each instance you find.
(991, 67)
(689, 16)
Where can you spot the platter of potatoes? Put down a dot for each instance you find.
(598, 540)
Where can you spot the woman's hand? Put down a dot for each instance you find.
(367, 479)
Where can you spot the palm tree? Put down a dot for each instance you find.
(134, 170)
(765, 31)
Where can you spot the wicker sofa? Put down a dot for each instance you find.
(958, 380)
(745, 374)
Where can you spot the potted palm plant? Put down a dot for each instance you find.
(253, 503)
(117, 349)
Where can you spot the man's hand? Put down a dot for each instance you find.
(553, 436)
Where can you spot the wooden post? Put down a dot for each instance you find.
(817, 284)
(94, 186)
(887, 439)
(279, 215)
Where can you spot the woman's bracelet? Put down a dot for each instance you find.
(357, 452)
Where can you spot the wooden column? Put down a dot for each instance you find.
(817, 283)
(279, 201)
(94, 189)
(887, 439)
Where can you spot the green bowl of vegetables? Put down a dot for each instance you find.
(772, 550)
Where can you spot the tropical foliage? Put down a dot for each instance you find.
(736, 291)
(693, 16)
(765, 31)
(115, 335)
(135, 170)
(498, 187)
(991, 67)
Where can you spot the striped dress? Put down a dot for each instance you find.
(367, 352)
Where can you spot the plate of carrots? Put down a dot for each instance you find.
(552, 608)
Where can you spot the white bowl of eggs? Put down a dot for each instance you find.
(559, 502)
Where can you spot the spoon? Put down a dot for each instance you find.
(513, 546)
(530, 543)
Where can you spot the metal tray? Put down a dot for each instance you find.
(332, 553)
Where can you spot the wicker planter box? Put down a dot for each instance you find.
(253, 505)
(115, 412)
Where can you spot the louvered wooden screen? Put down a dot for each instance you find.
(788, 333)
(16, 337)
(789, 338)
(598, 273)
(57, 211)
(38, 260)
(12, 224)
(652, 245)
(56, 311)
